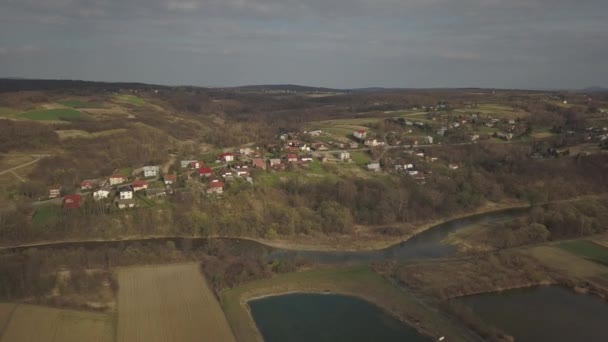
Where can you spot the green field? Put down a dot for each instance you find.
(360, 158)
(587, 250)
(45, 215)
(55, 114)
(8, 111)
(130, 99)
(359, 281)
(81, 104)
(496, 110)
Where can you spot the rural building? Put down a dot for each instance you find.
(373, 143)
(306, 158)
(259, 163)
(205, 171)
(186, 163)
(315, 133)
(72, 201)
(169, 179)
(373, 166)
(275, 162)
(454, 166)
(354, 145)
(195, 164)
(246, 151)
(344, 156)
(88, 184)
(139, 185)
(428, 140)
(100, 194)
(151, 171)
(291, 158)
(360, 134)
(226, 173)
(117, 179)
(319, 146)
(125, 203)
(54, 191)
(225, 157)
(215, 187)
(504, 136)
(125, 193)
(155, 192)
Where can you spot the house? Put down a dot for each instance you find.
(241, 170)
(412, 172)
(504, 136)
(54, 191)
(215, 187)
(246, 151)
(117, 179)
(291, 158)
(72, 201)
(318, 146)
(125, 203)
(275, 162)
(371, 142)
(88, 184)
(428, 140)
(474, 137)
(441, 131)
(344, 156)
(226, 173)
(100, 194)
(139, 185)
(169, 179)
(306, 158)
(315, 133)
(259, 163)
(454, 166)
(225, 157)
(195, 164)
(205, 171)
(373, 166)
(360, 134)
(151, 171)
(186, 163)
(420, 154)
(125, 193)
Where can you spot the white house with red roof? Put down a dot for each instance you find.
(360, 134)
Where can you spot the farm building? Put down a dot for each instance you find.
(275, 162)
(259, 163)
(169, 179)
(373, 166)
(428, 140)
(151, 171)
(360, 134)
(125, 203)
(88, 184)
(117, 179)
(125, 193)
(306, 158)
(205, 171)
(225, 157)
(186, 163)
(215, 187)
(344, 156)
(54, 191)
(72, 201)
(139, 185)
(100, 194)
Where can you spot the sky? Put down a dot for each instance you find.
(532, 44)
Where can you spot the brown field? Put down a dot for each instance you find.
(36, 323)
(168, 303)
(565, 262)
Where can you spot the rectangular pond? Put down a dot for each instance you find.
(327, 318)
(543, 314)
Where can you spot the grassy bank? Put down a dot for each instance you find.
(358, 281)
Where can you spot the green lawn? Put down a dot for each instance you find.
(127, 171)
(358, 281)
(55, 114)
(587, 250)
(45, 215)
(81, 104)
(130, 99)
(495, 110)
(360, 158)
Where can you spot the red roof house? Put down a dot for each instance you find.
(87, 184)
(139, 185)
(71, 201)
(226, 157)
(216, 187)
(169, 178)
(292, 158)
(205, 171)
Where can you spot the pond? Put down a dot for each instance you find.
(319, 317)
(543, 314)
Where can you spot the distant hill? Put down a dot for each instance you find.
(20, 84)
(594, 89)
(287, 88)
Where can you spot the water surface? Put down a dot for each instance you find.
(327, 318)
(544, 314)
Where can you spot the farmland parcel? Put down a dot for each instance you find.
(168, 303)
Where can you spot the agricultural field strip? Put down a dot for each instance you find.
(168, 303)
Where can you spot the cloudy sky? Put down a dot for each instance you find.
(334, 43)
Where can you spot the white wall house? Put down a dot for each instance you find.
(100, 194)
(126, 194)
(344, 156)
(151, 171)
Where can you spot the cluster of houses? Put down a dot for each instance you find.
(117, 187)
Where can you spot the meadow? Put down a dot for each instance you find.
(587, 249)
(130, 99)
(55, 114)
(81, 104)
